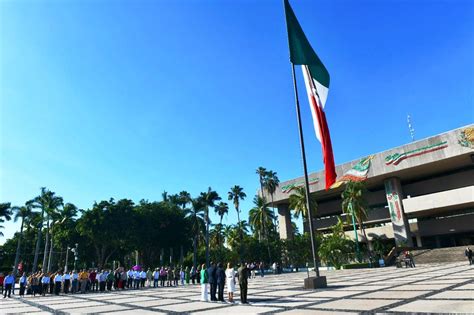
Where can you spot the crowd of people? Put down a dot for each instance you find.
(213, 280)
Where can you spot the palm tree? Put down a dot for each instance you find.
(196, 215)
(48, 202)
(59, 218)
(215, 235)
(298, 204)
(236, 194)
(5, 213)
(221, 209)
(262, 173)
(260, 219)
(209, 199)
(271, 183)
(23, 213)
(354, 203)
(184, 198)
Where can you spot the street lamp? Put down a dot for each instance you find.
(67, 255)
(76, 255)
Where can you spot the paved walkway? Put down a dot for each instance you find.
(429, 288)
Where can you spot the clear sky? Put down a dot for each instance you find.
(127, 99)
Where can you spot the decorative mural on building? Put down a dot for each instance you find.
(287, 188)
(357, 173)
(394, 204)
(466, 137)
(396, 158)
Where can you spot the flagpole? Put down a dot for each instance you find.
(305, 169)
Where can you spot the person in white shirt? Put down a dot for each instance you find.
(142, 278)
(23, 283)
(57, 283)
(129, 278)
(75, 281)
(102, 280)
(156, 277)
(136, 279)
(67, 282)
(45, 284)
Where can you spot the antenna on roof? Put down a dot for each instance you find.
(410, 128)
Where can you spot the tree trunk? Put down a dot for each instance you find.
(275, 216)
(38, 241)
(195, 251)
(17, 256)
(207, 236)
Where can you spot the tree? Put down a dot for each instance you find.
(109, 227)
(209, 199)
(195, 215)
(236, 194)
(336, 249)
(5, 213)
(271, 182)
(298, 204)
(221, 209)
(184, 198)
(261, 219)
(48, 202)
(262, 173)
(21, 213)
(354, 203)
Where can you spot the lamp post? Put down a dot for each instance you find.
(67, 255)
(76, 255)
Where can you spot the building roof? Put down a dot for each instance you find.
(440, 153)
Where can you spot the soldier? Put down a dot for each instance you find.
(243, 274)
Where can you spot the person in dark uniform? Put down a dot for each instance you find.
(212, 273)
(243, 273)
(468, 253)
(220, 282)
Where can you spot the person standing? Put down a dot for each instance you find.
(109, 279)
(230, 276)
(2, 279)
(58, 279)
(23, 283)
(93, 280)
(67, 282)
(262, 269)
(129, 278)
(162, 276)
(211, 271)
(468, 253)
(102, 278)
(187, 275)
(204, 283)
(220, 273)
(45, 283)
(243, 274)
(156, 277)
(75, 281)
(8, 283)
(193, 275)
(83, 278)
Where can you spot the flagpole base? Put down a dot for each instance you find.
(312, 283)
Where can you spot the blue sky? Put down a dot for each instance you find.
(127, 99)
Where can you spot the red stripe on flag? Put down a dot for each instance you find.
(330, 168)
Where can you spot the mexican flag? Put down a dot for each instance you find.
(316, 79)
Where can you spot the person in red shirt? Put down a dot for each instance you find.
(93, 280)
(2, 278)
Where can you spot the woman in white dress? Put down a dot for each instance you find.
(230, 277)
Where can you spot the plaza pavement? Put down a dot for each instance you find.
(447, 288)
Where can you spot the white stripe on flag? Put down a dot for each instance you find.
(322, 91)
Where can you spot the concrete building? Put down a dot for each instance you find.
(420, 194)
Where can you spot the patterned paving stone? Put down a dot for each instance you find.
(429, 288)
(436, 306)
(354, 305)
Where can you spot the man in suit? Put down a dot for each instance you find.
(220, 282)
(212, 272)
(243, 273)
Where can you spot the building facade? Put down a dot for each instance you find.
(419, 194)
